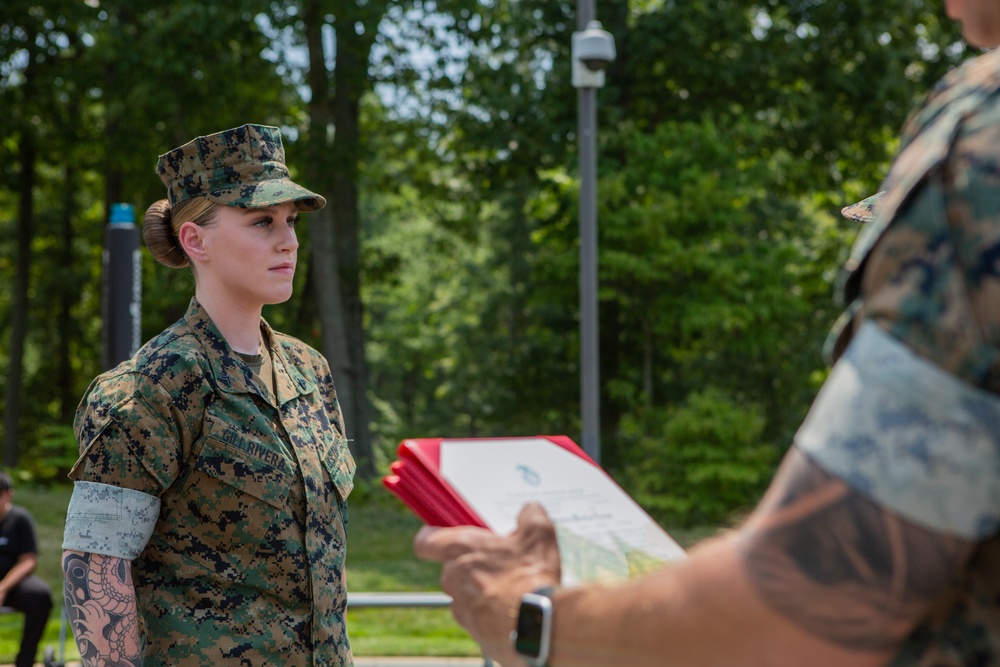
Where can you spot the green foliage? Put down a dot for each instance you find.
(77, 80)
(830, 82)
(699, 462)
(51, 458)
(730, 131)
(710, 277)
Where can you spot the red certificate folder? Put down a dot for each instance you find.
(416, 480)
(603, 534)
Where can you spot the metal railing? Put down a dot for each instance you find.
(399, 599)
(413, 599)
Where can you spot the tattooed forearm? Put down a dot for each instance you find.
(840, 566)
(101, 607)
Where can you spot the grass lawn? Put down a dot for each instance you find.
(379, 559)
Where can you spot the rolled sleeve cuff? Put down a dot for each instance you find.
(109, 520)
(915, 439)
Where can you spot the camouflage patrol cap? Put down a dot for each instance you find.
(864, 210)
(243, 167)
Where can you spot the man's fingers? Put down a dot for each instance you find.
(532, 514)
(441, 544)
(456, 582)
(535, 527)
(431, 543)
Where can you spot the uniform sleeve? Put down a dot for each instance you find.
(910, 414)
(933, 279)
(109, 520)
(130, 449)
(129, 436)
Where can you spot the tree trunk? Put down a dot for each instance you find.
(352, 64)
(19, 307)
(648, 361)
(610, 359)
(114, 178)
(336, 247)
(27, 157)
(333, 338)
(67, 328)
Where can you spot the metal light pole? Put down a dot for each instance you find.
(592, 49)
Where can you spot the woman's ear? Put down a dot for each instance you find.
(192, 239)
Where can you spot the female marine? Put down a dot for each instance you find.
(208, 521)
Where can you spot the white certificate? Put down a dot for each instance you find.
(603, 534)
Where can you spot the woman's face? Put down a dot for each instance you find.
(248, 257)
(980, 20)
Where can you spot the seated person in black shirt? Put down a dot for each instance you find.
(19, 588)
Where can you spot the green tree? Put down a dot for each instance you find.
(340, 41)
(699, 461)
(89, 117)
(39, 46)
(731, 133)
(718, 281)
(441, 282)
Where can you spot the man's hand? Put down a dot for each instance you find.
(486, 574)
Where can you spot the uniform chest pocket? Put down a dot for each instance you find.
(338, 461)
(225, 508)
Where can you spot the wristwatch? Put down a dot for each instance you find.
(532, 636)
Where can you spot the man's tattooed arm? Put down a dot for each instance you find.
(101, 608)
(840, 566)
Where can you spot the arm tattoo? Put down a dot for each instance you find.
(841, 567)
(101, 608)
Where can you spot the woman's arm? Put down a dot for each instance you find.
(101, 607)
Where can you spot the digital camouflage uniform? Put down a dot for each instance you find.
(230, 500)
(910, 414)
(246, 563)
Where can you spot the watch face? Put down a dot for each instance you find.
(533, 628)
(529, 630)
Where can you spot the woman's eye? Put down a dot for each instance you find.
(292, 222)
(263, 222)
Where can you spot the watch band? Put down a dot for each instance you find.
(532, 635)
(545, 591)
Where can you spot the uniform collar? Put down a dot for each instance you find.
(927, 142)
(289, 382)
(232, 374)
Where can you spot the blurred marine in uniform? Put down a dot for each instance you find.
(208, 521)
(878, 541)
